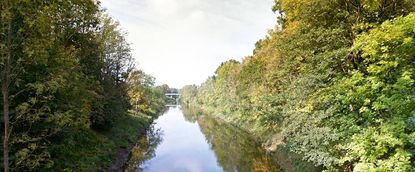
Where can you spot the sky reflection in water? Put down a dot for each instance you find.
(192, 143)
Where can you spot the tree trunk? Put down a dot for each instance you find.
(5, 92)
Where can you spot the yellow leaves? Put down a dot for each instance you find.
(61, 118)
(295, 8)
(33, 146)
(23, 108)
(363, 109)
(307, 108)
(371, 5)
(409, 40)
(292, 27)
(137, 153)
(382, 67)
(367, 101)
(23, 153)
(386, 37)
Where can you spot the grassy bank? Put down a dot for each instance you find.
(88, 150)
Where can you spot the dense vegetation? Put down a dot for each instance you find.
(333, 82)
(70, 94)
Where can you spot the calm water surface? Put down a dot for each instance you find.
(185, 141)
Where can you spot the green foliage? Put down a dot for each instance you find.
(334, 82)
(87, 150)
(189, 94)
(69, 65)
(380, 96)
(144, 97)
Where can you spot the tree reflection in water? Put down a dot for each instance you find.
(144, 149)
(235, 149)
(228, 148)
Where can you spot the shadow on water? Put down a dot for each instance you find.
(227, 149)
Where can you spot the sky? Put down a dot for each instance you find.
(182, 42)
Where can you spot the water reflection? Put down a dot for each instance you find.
(235, 149)
(191, 114)
(186, 140)
(144, 149)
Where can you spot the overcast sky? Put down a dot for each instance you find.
(182, 42)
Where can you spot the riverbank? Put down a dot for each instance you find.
(126, 136)
(287, 161)
(88, 150)
(183, 140)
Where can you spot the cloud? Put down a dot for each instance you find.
(183, 41)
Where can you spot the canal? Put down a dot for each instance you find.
(184, 140)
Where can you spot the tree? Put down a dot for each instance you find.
(144, 96)
(64, 70)
(6, 49)
(42, 92)
(325, 82)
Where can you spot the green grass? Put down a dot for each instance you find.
(88, 150)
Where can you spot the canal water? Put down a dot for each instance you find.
(184, 140)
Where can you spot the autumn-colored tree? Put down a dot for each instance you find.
(332, 82)
(64, 68)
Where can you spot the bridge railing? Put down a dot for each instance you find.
(172, 94)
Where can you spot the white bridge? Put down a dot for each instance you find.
(174, 98)
(172, 94)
